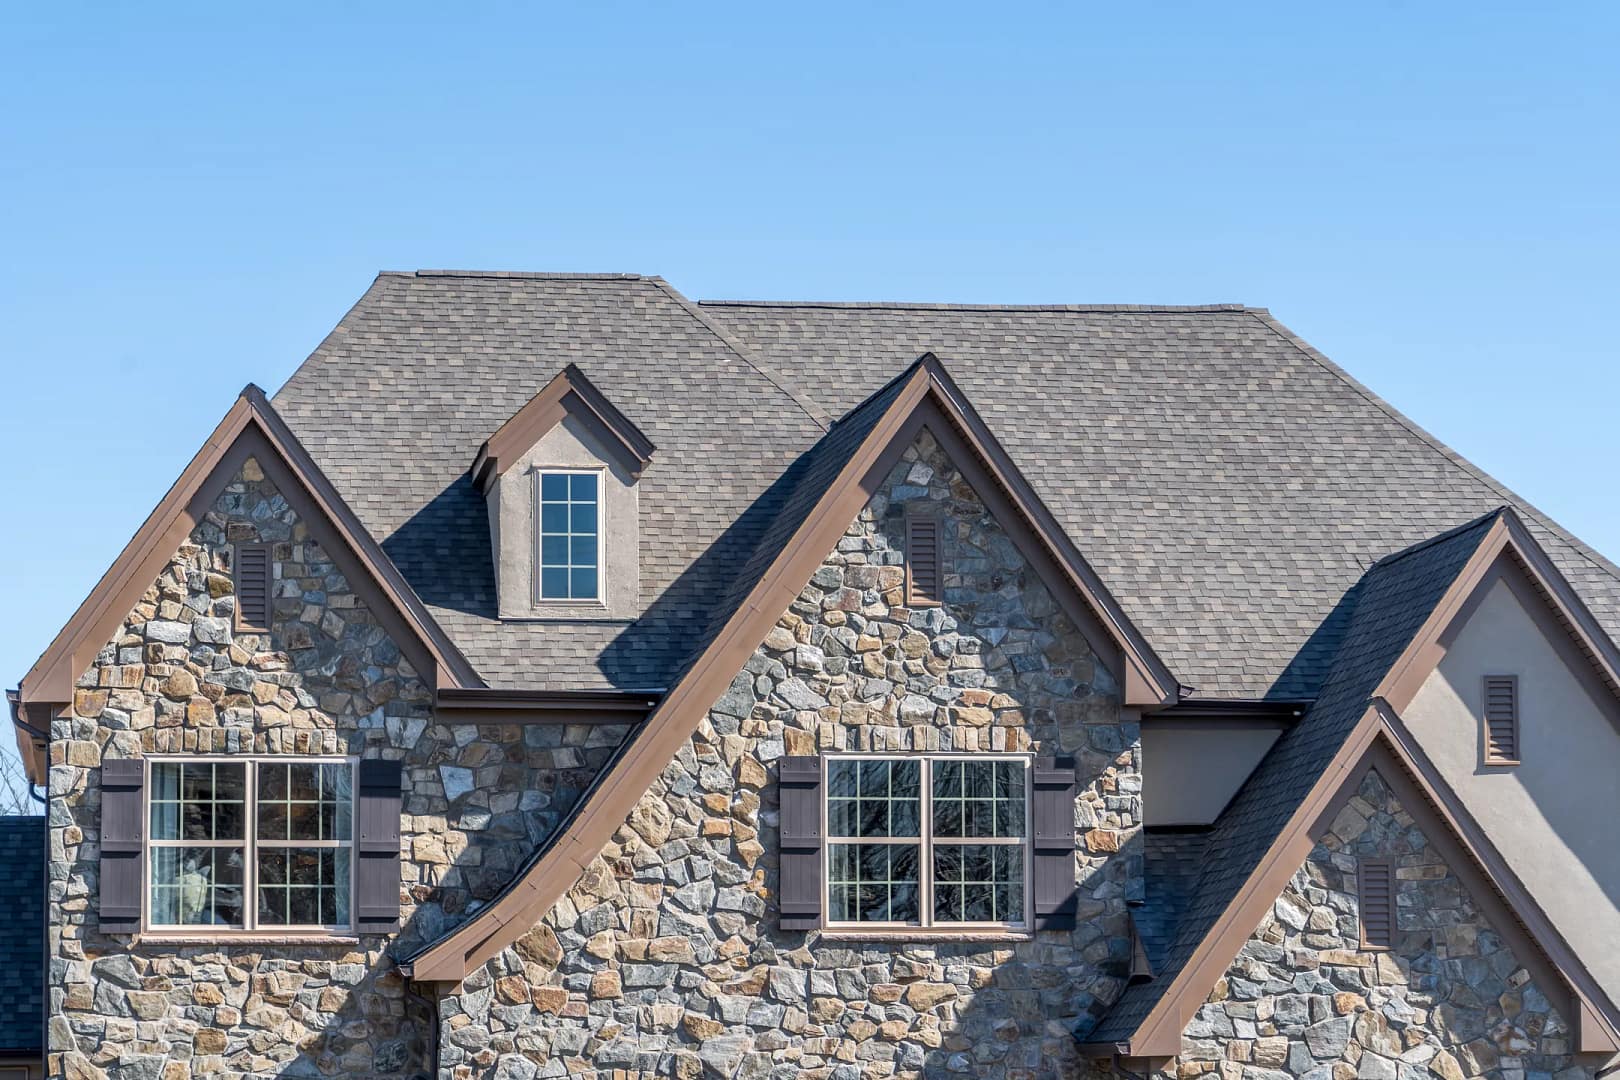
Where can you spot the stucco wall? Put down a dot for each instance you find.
(666, 956)
(570, 445)
(1303, 999)
(1553, 816)
(1190, 773)
(177, 678)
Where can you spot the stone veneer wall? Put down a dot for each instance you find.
(1304, 999)
(177, 678)
(665, 958)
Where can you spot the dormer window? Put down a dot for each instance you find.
(568, 525)
(559, 481)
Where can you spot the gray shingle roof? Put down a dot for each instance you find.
(1386, 610)
(1227, 482)
(22, 935)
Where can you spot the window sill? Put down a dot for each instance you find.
(928, 937)
(165, 937)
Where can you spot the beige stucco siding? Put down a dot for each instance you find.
(1553, 817)
(1189, 775)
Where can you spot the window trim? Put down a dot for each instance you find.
(537, 599)
(925, 925)
(250, 843)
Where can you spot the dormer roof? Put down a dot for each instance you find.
(570, 393)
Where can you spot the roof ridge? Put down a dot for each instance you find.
(520, 274)
(869, 305)
(819, 416)
(1592, 555)
(1439, 538)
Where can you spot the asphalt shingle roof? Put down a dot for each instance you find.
(22, 935)
(1228, 483)
(1385, 613)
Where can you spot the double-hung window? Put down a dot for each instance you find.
(938, 840)
(568, 532)
(250, 844)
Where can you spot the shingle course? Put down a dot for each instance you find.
(22, 935)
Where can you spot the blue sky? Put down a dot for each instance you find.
(195, 195)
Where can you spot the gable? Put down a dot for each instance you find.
(1552, 814)
(838, 482)
(250, 430)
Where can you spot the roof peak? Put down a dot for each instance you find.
(518, 274)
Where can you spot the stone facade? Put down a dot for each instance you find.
(666, 957)
(177, 678)
(1448, 1002)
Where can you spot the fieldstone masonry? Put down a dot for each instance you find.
(178, 678)
(665, 959)
(1448, 1002)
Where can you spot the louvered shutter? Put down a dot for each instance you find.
(253, 573)
(123, 844)
(799, 794)
(1377, 891)
(1501, 719)
(925, 571)
(1052, 869)
(376, 847)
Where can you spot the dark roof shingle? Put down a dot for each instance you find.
(22, 935)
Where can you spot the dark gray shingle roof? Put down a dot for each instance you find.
(1228, 484)
(1386, 610)
(22, 935)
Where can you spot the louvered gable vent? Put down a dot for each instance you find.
(1377, 889)
(1501, 719)
(925, 571)
(253, 587)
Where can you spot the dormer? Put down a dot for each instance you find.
(559, 480)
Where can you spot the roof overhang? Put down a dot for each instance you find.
(569, 394)
(480, 705)
(927, 399)
(250, 429)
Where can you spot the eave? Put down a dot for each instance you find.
(482, 705)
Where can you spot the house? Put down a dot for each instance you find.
(561, 677)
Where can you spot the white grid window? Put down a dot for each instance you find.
(568, 533)
(250, 844)
(927, 840)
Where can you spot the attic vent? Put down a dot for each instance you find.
(253, 587)
(924, 564)
(1376, 886)
(1501, 719)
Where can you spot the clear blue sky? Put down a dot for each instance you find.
(194, 195)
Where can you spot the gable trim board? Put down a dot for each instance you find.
(569, 393)
(250, 429)
(926, 400)
(1379, 738)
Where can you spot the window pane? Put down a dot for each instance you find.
(978, 883)
(583, 584)
(196, 886)
(554, 583)
(873, 882)
(554, 550)
(979, 798)
(582, 518)
(554, 486)
(582, 550)
(582, 486)
(315, 804)
(197, 801)
(554, 518)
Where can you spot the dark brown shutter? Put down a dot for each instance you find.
(1376, 886)
(799, 792)
(1501, 719)
(253, 587)
(1052, 870)
(123, 842)
(376, 846)
(925, 571)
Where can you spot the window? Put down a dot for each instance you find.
(568, 532)
(938, 840)
(1501, 720)
(250, 844)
